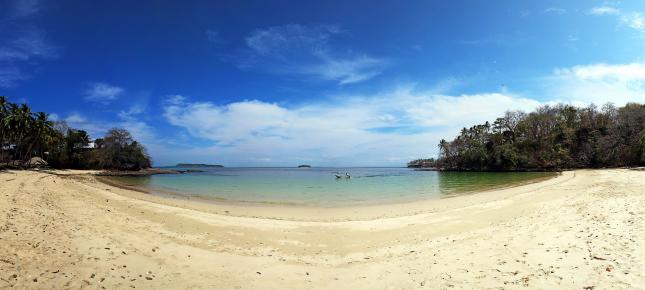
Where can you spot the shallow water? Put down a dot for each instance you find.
(319, 186)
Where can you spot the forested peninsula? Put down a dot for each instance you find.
(29, 139)
(551, 138)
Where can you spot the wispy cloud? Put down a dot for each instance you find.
(75, 118)
(555, 10)
(102, 93)
(604, 10)
(24, 45)
(307, 50)
(498, 39)
(214, 37)
(25, 8)
(346, 71)
(28, 45)
(128, 119)
(632, 19)
(349, 130)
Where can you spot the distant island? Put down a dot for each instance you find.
(551, 138)
(198, 165)
(304, 166)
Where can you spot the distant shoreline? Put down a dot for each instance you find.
(199, 165)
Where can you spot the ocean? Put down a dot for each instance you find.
(320, 187)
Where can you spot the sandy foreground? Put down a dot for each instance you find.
(581, 230)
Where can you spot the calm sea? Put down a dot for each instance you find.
(319, 186)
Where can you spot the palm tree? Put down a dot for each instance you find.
(443, 146)
(3, 125)
(26, 121)
(42, 127)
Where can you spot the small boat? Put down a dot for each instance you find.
(347, 176)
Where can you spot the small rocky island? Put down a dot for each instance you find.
(304, 166)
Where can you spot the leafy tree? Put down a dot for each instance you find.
(24, 134)
(120, 151)
(550, 138)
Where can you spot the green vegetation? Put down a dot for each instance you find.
(25, 135)
(422, 163)
(550, 138)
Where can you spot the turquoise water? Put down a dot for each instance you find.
(319, 186)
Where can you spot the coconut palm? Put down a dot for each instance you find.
(41, 127)
(443, 146)
(3, 125)
(24, 134)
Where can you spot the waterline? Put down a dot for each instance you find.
(319, 186)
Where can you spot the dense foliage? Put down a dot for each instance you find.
(550, 138)
(24, 135)
(422, 163)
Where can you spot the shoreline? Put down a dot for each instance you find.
(303, 212)
(109, 180)
(64, 229)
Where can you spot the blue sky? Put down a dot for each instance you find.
(281, 83)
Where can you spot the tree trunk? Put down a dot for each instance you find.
(31, 146)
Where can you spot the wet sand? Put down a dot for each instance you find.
(67, 230)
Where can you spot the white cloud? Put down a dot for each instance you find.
(102, 93)
(305, 50)
(96, 128)
(555, 10)
(385, 129)
(347, 71)
(634, 20)
(604, 10)
(133, 111)
(599, 83)
(75, 118)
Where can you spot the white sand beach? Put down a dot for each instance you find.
(581, 230)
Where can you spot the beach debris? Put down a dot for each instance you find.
(259, 273)
(598, 258)
(588, 287)
(609, 268)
